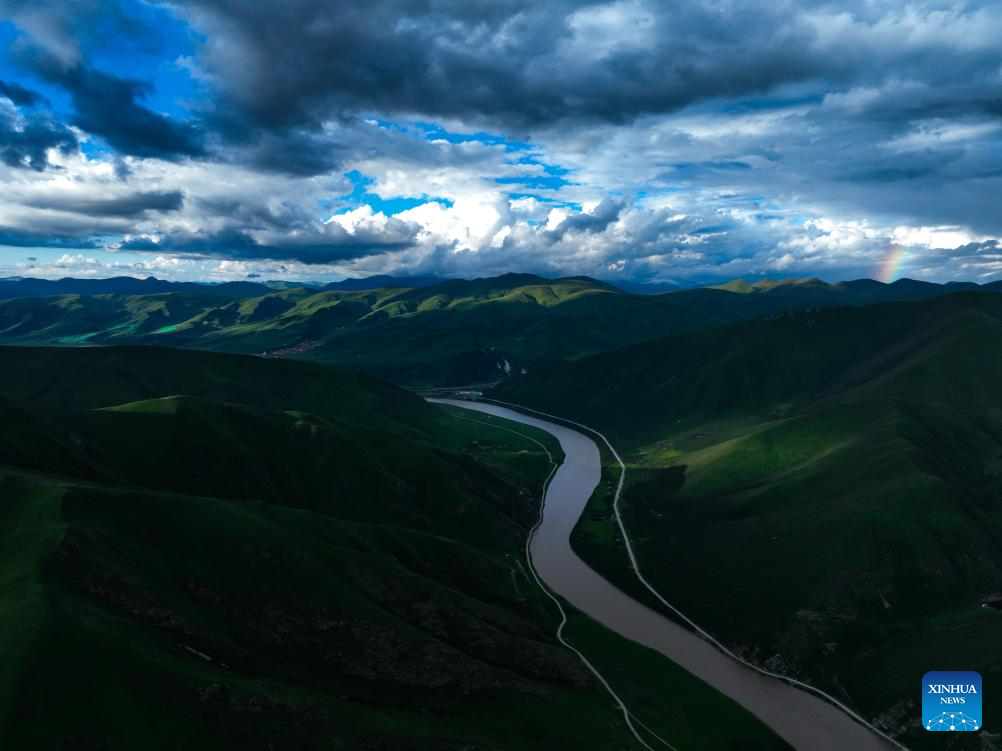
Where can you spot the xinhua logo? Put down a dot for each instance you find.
(951, 700)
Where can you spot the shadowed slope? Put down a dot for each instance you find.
(820, 489)
(211, 551)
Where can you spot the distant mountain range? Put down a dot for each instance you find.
(902, 288)
(122, 285)
(382, 281)
(431, 333)
(127, 285)
(33, 287)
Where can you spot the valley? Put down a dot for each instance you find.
(822, 500)
(847, 481)
(803, 720)
(422, 375)
(208, 550)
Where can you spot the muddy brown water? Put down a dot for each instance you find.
(806, 722)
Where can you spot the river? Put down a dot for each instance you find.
(806, 722)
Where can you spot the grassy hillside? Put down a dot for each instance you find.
(208, 551)
(777, 366)
(455, 332)
(452, 333)
(821, 489)
(88, 378)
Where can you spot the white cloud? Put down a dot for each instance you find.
(949, 238)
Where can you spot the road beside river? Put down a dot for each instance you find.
(805, 721)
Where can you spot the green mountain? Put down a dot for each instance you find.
(822, 489)
(448, 334)
(452, 333)
(839, 461)
(209, 551)
(383, 281)
(28, 287)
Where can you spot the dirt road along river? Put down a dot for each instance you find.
(806, 722)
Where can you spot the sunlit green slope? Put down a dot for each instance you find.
(453, 333)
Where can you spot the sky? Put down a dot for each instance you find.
(676, 143)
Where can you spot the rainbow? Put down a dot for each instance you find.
(896, 260)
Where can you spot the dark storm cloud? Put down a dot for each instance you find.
(276, 73)
(293, 153)
(521, 65)
(109, 107)
(132, 205)
(746, 119)
(309, 243)
(908, 102)
(26, 139)
(596, 220)
(54, 48)
(513, 64)
(988, 246)
(19, 95)
(518, 63)
(907, 166)
(322, 246)
(20, 239)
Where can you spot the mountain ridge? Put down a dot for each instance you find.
(453, 332)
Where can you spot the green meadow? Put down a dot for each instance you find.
(208, 551)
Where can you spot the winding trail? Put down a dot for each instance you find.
(805, 721)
